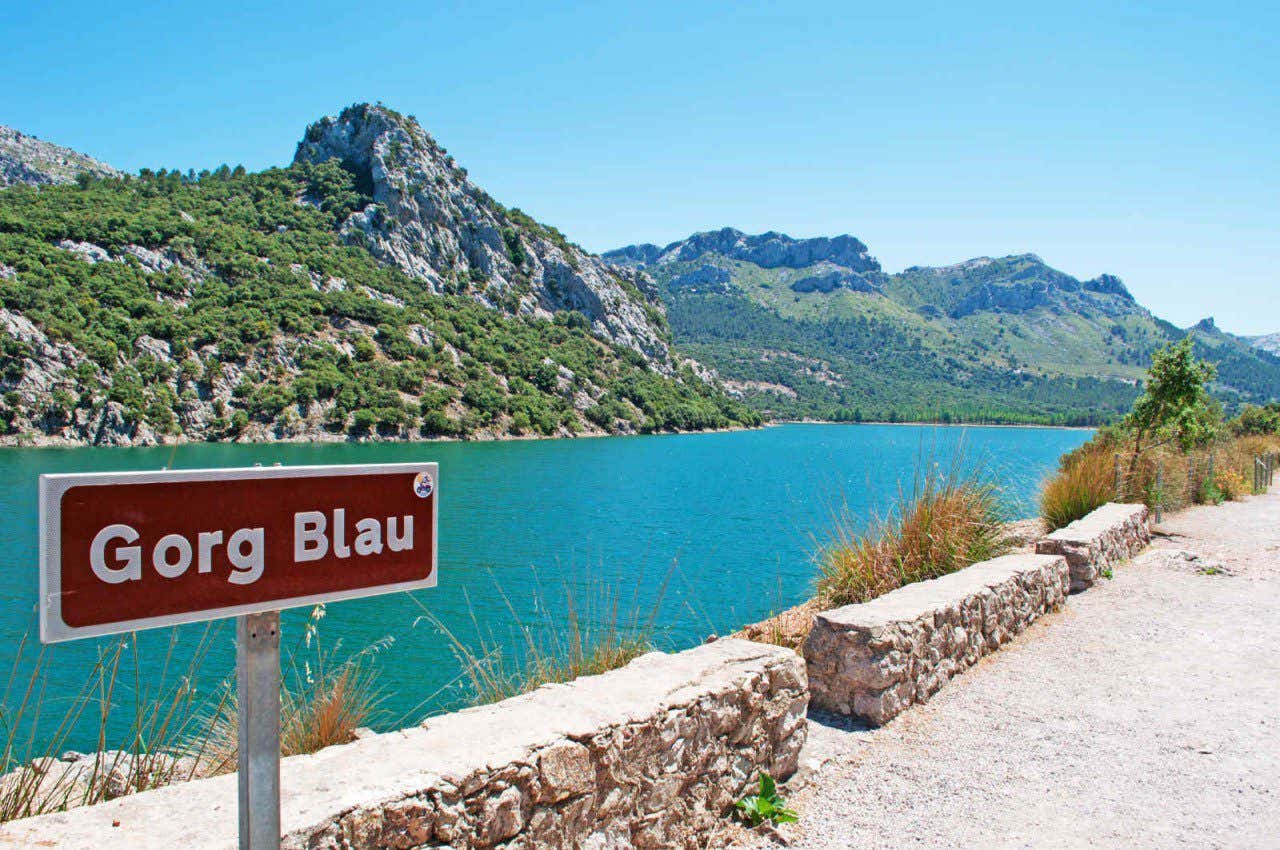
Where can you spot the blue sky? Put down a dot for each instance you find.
(1137, 139)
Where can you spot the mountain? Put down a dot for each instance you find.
(1267, 342)
(368, 290)
(430, 221)
(816, 328)
(28, 160)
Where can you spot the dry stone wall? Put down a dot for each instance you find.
(873, 660)
(1114, 532)
(649, 756)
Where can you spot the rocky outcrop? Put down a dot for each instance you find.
(1097, 542)
(28, 160)
(432, 222)
(704, 279)
(649, 756)
(875, 659)
(1269, 343)
(833, 279)
(1108, 284)
(769, 250)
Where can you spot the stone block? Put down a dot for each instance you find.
(1114, 532)
(877, 658)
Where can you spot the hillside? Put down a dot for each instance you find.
(27, 160)
(815, 328)
(369, 290)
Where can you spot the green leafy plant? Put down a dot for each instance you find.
(766, 806)
(1211, 493)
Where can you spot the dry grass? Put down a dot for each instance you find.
(1163, 476)
(162, 708)
(592, 638)
(325, 697)
(945, 523)
(1085, 481)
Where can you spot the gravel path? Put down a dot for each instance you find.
(1146, 714)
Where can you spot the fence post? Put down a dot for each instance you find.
(1119, 481)
(1159, 494)
(1191, 480)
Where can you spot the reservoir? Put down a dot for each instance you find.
(700, 533)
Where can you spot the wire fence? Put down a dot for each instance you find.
(1170, 481)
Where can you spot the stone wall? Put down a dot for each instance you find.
(874, 659)
(652, 755)
(1108, 535)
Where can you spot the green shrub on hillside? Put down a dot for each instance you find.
(268, 280)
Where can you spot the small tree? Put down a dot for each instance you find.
(1176, 407)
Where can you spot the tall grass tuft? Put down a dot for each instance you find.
(944, 523)
(325, 697)
(595, 636)
(1085, 481)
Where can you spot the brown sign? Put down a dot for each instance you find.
(126, 551)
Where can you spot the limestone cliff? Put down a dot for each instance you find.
(432, 222)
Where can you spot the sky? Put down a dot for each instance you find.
(1134, 139)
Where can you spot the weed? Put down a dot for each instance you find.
(766, 806)
(161, 708)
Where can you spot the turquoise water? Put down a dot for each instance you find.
(710, 530)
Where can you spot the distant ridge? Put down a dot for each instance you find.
(815, 328)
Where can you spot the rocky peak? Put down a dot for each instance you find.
(1108, 284)
(769, 250)
(430, 220)
(1206, 325)
(26, 159)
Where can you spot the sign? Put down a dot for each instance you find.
(136, 550)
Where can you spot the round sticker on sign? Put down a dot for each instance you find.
(423, 486)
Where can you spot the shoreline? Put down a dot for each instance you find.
(924, 422)
(326, 438)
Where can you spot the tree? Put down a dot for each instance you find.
(1257, 420)
(1175, 407)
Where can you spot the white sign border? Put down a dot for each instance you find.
(52, 487)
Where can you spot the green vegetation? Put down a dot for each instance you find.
(1172, 450)
(765, 806)
(256, 290)
(1176, 407)
(868, 368)
(1005, 340)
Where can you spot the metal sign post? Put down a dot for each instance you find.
(258, 708)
